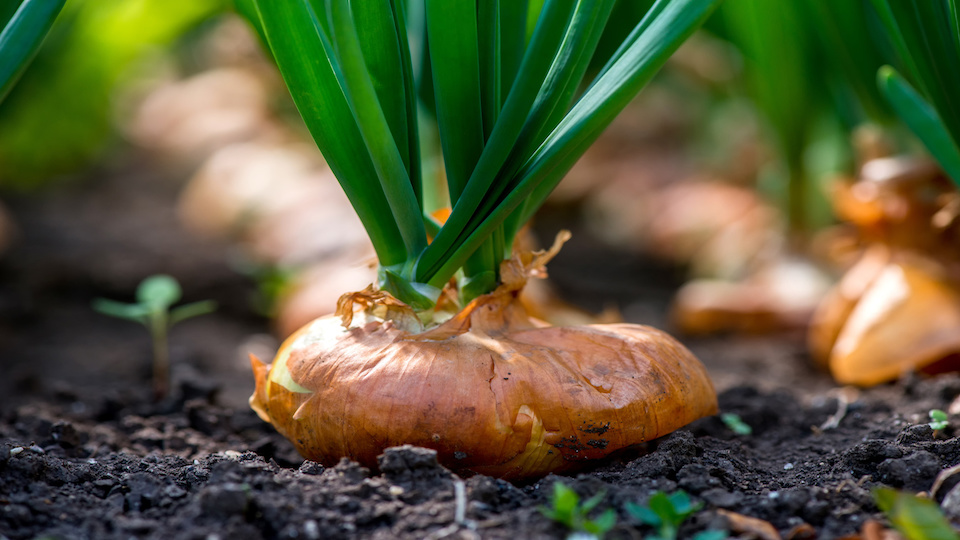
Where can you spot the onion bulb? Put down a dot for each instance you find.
(898, 308)
(491, 389)
(889, 315)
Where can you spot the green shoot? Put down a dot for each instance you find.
(926, 38)
(511, 115)
(916, 518)
(21, 33)
(665, 513)
(938, 420)
(736, 424)
(565, 508)
(155, 295)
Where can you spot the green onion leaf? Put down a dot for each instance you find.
(21, 37)
(374, 127)
(454, 59)
(660, 33)
(922, 119)
(309, 66)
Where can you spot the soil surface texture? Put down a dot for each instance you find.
(86, 454)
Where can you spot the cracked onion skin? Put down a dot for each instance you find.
(492, 390)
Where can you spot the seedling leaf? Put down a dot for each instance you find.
(131, 312)
(565, 508)
(188, 311)
(603, 524)
(915, 517)
(938, 420)
(155, 295)
(664, 512)
(736, 424)
(158, 292)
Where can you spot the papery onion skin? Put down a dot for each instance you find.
(904, 316)
(493, 391)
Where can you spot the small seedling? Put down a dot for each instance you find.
(736, 424)
(565, 508)
(938, 420)
(917, 518)
(155, 296)
(666, 513)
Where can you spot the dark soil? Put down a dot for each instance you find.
(85, 453)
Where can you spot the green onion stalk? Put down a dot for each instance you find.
(513, 111)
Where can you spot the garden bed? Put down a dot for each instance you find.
(85, 453)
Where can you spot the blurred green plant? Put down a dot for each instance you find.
(926, 39)
(23, 25)
(58, 118)
(567, 509)
(938, 420)
(809, 68)
(736, 424)
(916, 518)
(665, 513)
(155, 296)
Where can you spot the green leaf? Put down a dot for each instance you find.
(454, 59)
(120, 310)
(663, 506)
(308, 63)
(602, 524)
(21, 37)
(513, 39)
(923, 34)
(915, 517)
(374, 128)
(736, 424)
(381, 48)
(643, 514)
(416, 295)
(667, 25)
(489, 54)
(592, 502)
(158, 292)
(922, 119)
(493, 172)
(850, 47)
(188, 311)
(564, 500)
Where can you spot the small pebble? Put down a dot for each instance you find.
(788, 466)
(16, 450)
(311, 529)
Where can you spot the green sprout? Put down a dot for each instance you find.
(938, 420)
(565, 508)
(916, 518)
(666, 513)
(155, 295)
(736, 424)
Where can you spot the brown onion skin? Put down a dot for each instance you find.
(493, 391)
(902, 315)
